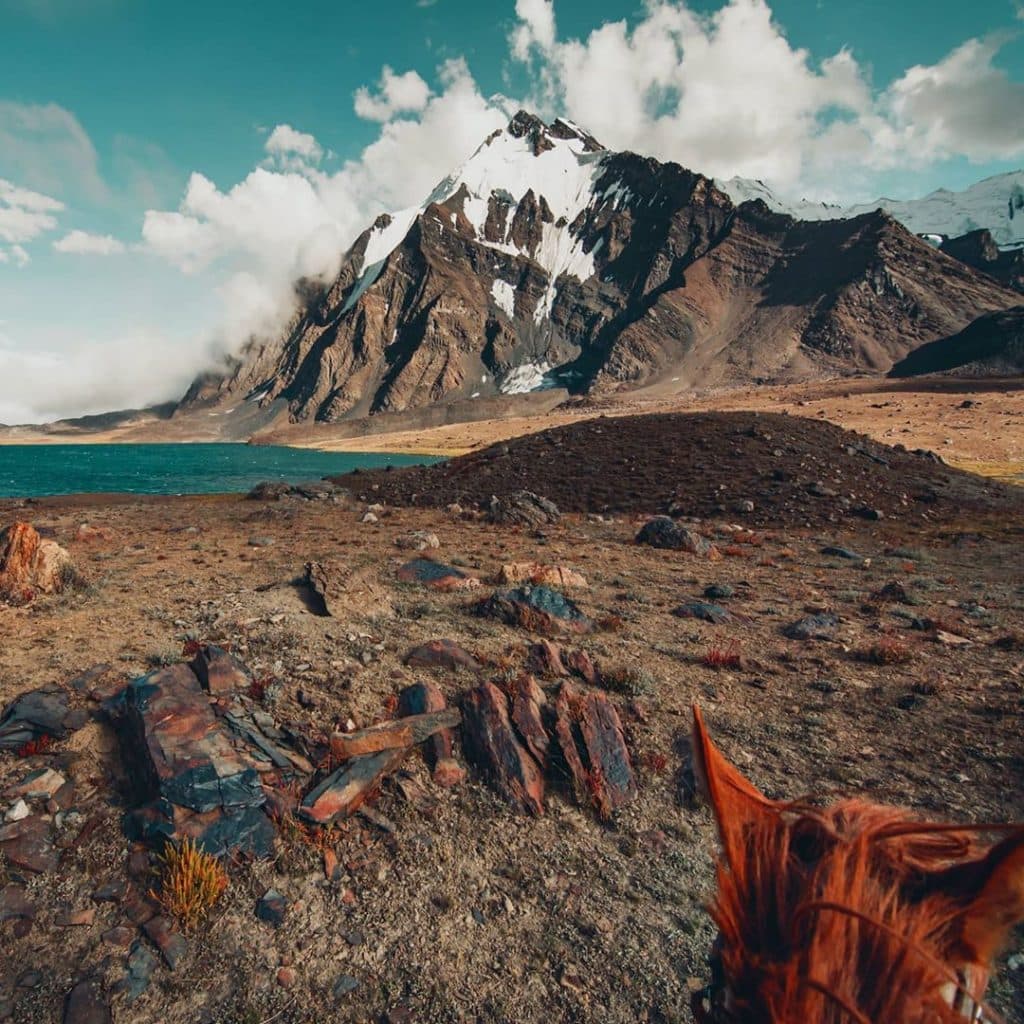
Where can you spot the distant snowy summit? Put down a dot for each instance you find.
(995, 204)
(547, 260)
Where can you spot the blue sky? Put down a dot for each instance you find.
(108, 107)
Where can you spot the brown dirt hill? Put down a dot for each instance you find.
(794, 470)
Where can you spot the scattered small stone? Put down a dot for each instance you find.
(813, 627)
(834, 551)
(261, 542)
(286, 977)
(82, 918)
(369, 519)
(272, 907)
(28, 844)
(141, 965)
(17, 811)
(441, 654)
(14, 904)
(354, 938)
(344, 986)
(39, 785)
(867, 512)
(705, 612)
(121, 936)
(418, 540)
(171, 944)
(32, 978)
(719, 592)
(820, 490)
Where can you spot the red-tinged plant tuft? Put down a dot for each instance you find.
(191, 648)
(258, 688)
(655, 763)
(40, 745)
(723, 657)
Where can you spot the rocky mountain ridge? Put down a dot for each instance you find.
(995, 204)
(548, 260)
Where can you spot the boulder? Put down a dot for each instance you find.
(30, 564)
(522, 508)
(543, 575)
(813, 627)
(43, 712)
(665, 532)
(188, 775)
(436, 575)
(539, 609)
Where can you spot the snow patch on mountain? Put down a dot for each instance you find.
(504, 296)
(509, 166)
(526, 378)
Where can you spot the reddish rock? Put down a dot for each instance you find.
(120, 936)
(183, 761)
(448, 773)
(397, 734)
(82, 918)
(424, 698)
(14, 904)
(527, 700)
(28, 844)
(436, 575)
(441, 654)
(490, 740)
(30, 565)
(544, 575)
(579, 664)
(220, 672)
(85, 1005)
(160, 931)
(545, 658)
(593, 747)
(345, 790)
(286, 977)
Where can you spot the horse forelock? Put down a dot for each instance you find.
(831, 915)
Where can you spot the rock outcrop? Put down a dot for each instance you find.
(31, 565)
(992, 346)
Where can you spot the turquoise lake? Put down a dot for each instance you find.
(36, 470)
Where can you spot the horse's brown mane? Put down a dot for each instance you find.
(854, 912)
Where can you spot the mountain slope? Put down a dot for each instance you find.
(992, 346)
(547, 259)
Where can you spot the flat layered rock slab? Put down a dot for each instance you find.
(186, 767)
(436, 575)
(42, 712)
(490, 740)
(593, 748)
(396, 734)
(28, 844)
(345, 790)
(441, 654)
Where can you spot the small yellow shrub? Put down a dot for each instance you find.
(191, 882)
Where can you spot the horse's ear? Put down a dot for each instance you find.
(997, 900)
(735, 801)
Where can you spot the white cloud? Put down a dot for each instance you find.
(396, 94)
(95, 375)
(45, 146)
(24, 215)
(84, 243)
(963, 105)
(284, 141)
(728, 94)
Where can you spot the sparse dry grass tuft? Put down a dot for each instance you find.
(191, 882)
(889, 650)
